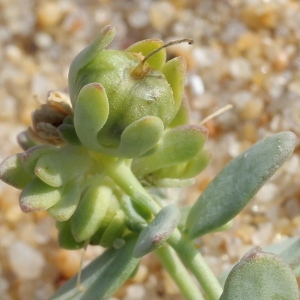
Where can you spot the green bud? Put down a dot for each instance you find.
(123, 100)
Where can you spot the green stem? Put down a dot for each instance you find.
(197, 265)
(179, 273)
(119, 171)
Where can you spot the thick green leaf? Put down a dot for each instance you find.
(177, 145)
(65, 236)
(32, 155)
(288, 250)
(90, 212)
(145, 47)
(114, 230)
(260, 275)
(13, 173)
(237, 183)
(37, 196)
(161, 228)
(175, 70)
(58, 169)
(66, 206)
(103, 276)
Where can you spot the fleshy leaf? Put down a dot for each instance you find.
(90, 212)
(291, 255)
(112, 209)
(237, 183)
(134, 219)
(186, 170)
(25, 141)
(13, 173)
(158, 231)
(37, 196)
(65, 237)
(103, 276)
(32, 155)
(260, 275)
(58, 169)
(146, 47)
(114, 230)
(175, 70)
(140, 136)
(177, 145)
(105, 36)
(90, 114)
(68, 134)
(183, 115)
(66, 206)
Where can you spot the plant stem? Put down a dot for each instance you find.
(197, 265)
(179, 273)
(119, 171)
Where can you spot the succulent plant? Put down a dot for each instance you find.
(95, 163)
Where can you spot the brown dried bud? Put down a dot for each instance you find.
(48, 117)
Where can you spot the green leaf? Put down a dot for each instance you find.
(13, 173)
(158, 231)
(188, 169)
(66, 206)
(134, 220)
(177, 145)
(112, 209)
(25, 141)
(175, 70)
(68, 134)
(103, 276)
(183, 115)
(114, 230)
(145, 47)
(90, 114)
(291, 255)
(105, 36)
(140, 136)
(90, 212)
(237, 183)
(65, 236)
(58, 169)
(37, 196)
(32, 155)
(260, 275)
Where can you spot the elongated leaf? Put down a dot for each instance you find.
(260, 275)
(66, 206)
(90, 212)
(161, 228)
(177, 145)
(102, 277)
(237, 183)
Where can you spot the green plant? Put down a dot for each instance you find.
(95, 168)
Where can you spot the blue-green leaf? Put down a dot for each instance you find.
(260, 275)
(237, 183)
(103, 276)
(161, 228)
